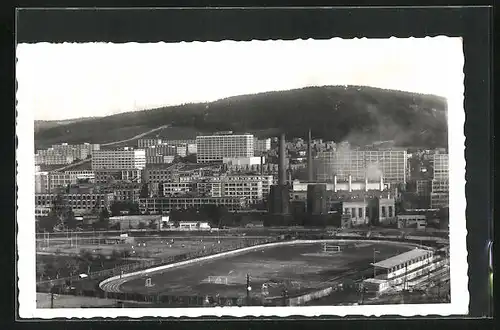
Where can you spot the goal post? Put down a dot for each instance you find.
(330, 247)
(218, 280)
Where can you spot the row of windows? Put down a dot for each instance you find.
(410, 262)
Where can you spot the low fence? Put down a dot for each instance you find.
(161, 300)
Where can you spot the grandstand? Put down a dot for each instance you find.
(408, 270)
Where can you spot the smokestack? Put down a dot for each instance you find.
(309, 158)
(350, 183)
(261, 165)
(281, 164)
(381, 182)
(335, 183)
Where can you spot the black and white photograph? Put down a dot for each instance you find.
(265, 178)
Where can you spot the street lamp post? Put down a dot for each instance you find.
(374, 268)
(249, 288)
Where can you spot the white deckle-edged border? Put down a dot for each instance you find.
(26, 285)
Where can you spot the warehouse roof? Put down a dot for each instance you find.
(401, 258)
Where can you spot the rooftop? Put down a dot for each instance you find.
(401, 258)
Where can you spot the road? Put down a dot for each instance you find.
(72, 165)
(109, 144)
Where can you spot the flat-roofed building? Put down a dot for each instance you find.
(359, 164)
(440, 183)
(261, 145)
(162, 205)
(402, 271)
(418, 221)
(117, 160)
(123, 191)
(213, 148)
(146, 143)
(177, 188)
(375, 211)
(42, 185)
(79, 203)
(440, 165)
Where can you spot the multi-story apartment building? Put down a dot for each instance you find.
(117, 160)
(177, 188)
(441, 168)
(107, 176)
(79, 151)
(46, 182)
(179, 142)
(62, 154)
(254, 188)
(123, 191)
(359, 164)
(261, 146)
(42, 185)
(213, 148)
(79, 203)
(424, 188)
(53, 157)
(146, 143)
(440, 183)
(163, 205)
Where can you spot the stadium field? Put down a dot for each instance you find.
(299, 268)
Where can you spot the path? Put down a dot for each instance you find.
(108, 144)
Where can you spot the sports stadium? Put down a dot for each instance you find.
(271, 272)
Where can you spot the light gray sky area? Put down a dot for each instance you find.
(65, 81)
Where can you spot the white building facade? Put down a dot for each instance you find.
(213, 148)
(125, 159)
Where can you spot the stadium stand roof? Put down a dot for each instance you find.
(401, 258)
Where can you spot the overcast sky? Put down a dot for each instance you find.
(63, 81)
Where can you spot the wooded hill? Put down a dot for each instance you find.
(360, 115)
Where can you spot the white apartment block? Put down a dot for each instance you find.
(61, 154)
(125, 159)
(391, 163)
(441, 168)
(51, 157)
(42, 185)
(213, 148)
(79, 151)
(440, 184)
(251, 187)
(146, 143)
